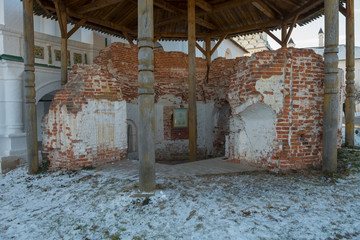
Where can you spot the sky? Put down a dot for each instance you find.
(307, 36)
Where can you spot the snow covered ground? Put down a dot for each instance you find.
(93, 204)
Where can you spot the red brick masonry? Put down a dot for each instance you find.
(288, 82)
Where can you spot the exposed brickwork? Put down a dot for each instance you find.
(79, 130)
(286, 84)
(298, 104)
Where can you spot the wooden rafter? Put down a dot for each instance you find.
(182, 14)
(157, 38)
(272, 36)
(61, 15)
(43, 7)
(200, 49)
(128, 38)
(259, 4)
(95, 5)
(75, 28)
(218, 44)
(291, 28)
(204, 5)
(309, 5)
(275, 9)
(342, 9)
(229, 4)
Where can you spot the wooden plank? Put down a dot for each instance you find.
(64, 61)
(350, 75)
(291, 28)
(183, 35)
(146, 133)
(243, 29)
(200, 48)
(272, 36)
(275, 9)
(204, 5)
(264, 8)
(218, 44)
(97, 5)
(43, 7)
(29, 84)
(342, 10)
(283, 34)
(308, 6)
(128, 38)
(100, 22)
(192, 81)
(75, 28)
(208, 56)
(62, 20)
(182, 15)
(61, 16)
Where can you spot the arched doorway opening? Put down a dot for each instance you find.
(132, 151)
(42, 108)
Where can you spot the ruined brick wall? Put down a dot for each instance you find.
(265, 109)
(86, 123)
(278, 96)
(171, 91)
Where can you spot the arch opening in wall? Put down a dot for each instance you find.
(42, 108)
(132, 150)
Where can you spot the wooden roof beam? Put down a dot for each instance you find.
(200, 21)
(264, 8)
(291, 28)
(342, 10)
(247, 28)
(229, 4)
(200, 48)
(272, 36)
(308, 6)
(207, 7)
(43, 7)
(76, 27)
(183, 15)
(100, 22)
(61, 16)
(98, 5)
(218, 44)
(279, 13)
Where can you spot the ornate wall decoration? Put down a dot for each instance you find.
(57, 55)
(39, 52)
(77, 58)
(49, 55)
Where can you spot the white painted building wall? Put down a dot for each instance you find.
(47, 70)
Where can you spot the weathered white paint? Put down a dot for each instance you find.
(252, 134)
(101, 124)
(272, 91)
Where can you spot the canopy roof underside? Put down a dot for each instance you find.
(214, 18)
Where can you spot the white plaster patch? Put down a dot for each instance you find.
(100, 125)
(252, 134)
(271, 90)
